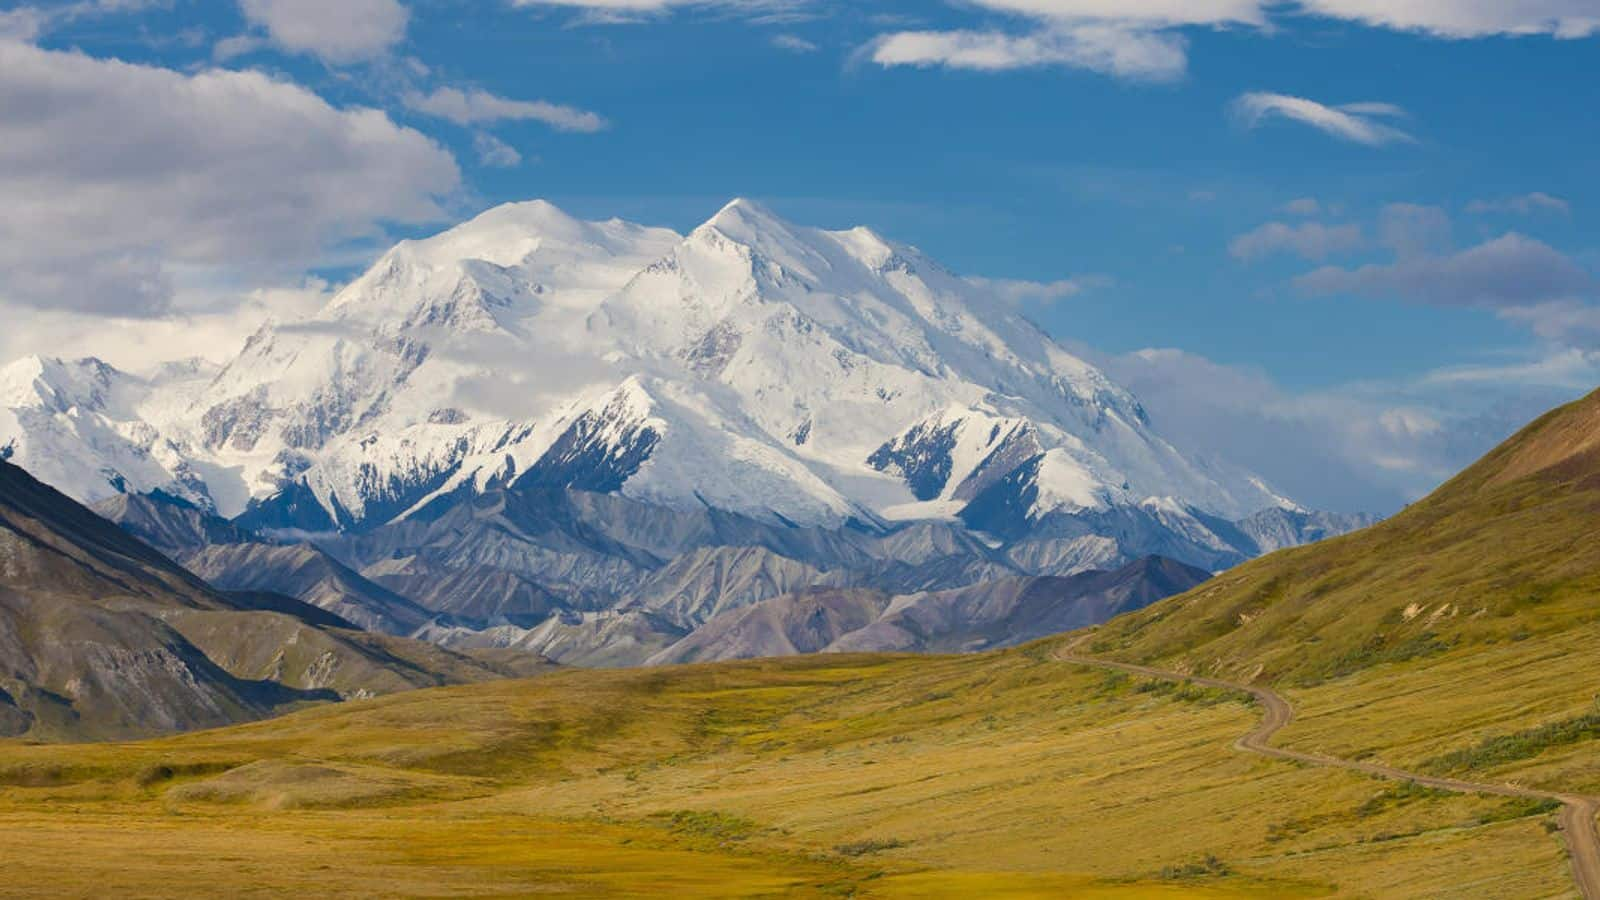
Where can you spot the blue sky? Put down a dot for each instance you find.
(1371, 224)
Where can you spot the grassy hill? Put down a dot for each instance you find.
(1457, 637)
(1503, 552)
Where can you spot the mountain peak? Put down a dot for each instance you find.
(745, 220)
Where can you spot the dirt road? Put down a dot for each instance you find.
(1577, 812)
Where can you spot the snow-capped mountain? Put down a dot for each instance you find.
(790, 375)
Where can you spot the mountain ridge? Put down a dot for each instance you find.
(774, 350)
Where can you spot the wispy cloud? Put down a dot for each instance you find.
(1508, 271)
(1131, 53)
(619, 12)
(1361, 123)
(1366, 446)
(1304, 206)
(1308, 240)
(794, 43)
(1462, 19)
(1522, 205)
(1019, 292)
(494, 152)
(476, 107)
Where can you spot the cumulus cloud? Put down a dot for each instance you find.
(1109, 48)
(476, 107)
(1522, 205)
(345, 31)
(1361, 123)
(1508, 271)
(208, 169)
(1308, 240)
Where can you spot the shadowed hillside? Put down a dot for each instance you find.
(102, 637)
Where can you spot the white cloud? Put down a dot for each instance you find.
(1509, 271)
(1112, 49)
(1467, 18)
(345, 31)
(1357, 122)
(212, 324)
(1568, 323)
(1147, 12)
(115, 175)
(1522, 205)
(1365, 446)
(628, 11)
(28, 22)
(1308, 240)
(23, 24)
(494, 152)
(1142, 39)
(794, 43)
(478, 107)
(1017, 292)
(230, 48)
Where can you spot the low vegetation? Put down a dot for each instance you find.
(1007, 774)
(1526, 744)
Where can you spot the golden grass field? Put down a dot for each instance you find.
(1006, 774)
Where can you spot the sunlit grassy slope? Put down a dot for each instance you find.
(1008, 774)
(1457, 637)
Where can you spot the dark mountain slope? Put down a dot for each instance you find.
(101, 636)
(231, 558)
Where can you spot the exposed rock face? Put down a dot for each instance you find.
(992, 614)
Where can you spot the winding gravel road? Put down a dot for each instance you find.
(1577, 812)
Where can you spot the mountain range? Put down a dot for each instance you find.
(1406, 711)
(591, 438)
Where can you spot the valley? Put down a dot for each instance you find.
(1443, 755)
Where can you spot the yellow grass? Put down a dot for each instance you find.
(1000, 775)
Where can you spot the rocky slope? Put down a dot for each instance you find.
(101, 636)
(993, 614)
